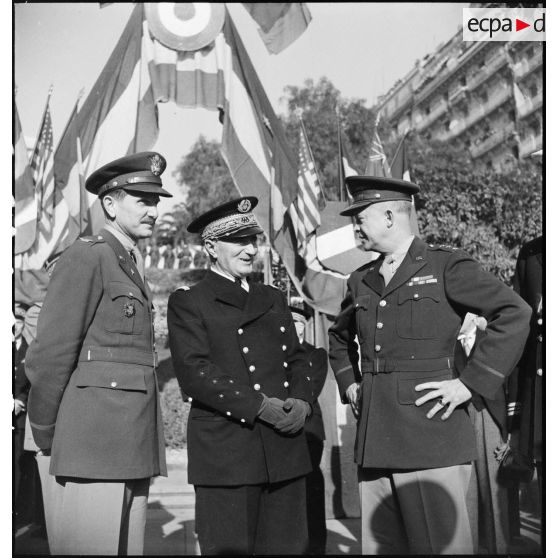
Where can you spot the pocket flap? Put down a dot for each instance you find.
(110, 375)
(419, 293)
(119, 288)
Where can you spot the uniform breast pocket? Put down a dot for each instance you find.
(417, 312)
(126, 309)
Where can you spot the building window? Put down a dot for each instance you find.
(463, 80)
(427, 110)
(530, 52)
(533, 90)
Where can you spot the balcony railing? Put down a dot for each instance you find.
(434, 114)
(528, 106)
(530, 144)
(488, 70)
(457, 94)
(492, 141)
(527, 65)
(497, 98)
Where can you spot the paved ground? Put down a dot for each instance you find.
(170, 523)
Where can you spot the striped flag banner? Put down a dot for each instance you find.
(117, 118)
(280, 23)
(53, 215)
(42, 169)
(305, 210)
(25, 201)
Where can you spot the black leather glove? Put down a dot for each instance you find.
(297, 411)
(271, 410)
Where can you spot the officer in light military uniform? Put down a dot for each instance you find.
(93, 404)
(414, 442)
(238, 361)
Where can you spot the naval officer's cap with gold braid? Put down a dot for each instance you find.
(233, 219)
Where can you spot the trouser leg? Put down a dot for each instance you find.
(226, 518)
(282, 527)
(134, 515)
(315, 501)
(382, 523)
(433, 504)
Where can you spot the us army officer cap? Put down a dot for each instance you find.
(366, 190)
(139, 172)
(233, 219)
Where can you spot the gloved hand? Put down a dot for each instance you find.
(297, 411)
(271, 410)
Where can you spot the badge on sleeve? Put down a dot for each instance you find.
(129, 309)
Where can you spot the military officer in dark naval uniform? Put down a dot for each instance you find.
(415, 443)
(238, 360)
(94, 404)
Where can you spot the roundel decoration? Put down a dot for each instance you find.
(185, 26)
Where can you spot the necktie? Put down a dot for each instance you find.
(138, 260)
(387, 271)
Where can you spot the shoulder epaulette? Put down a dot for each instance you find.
(93, 239)
(445, 247)
(183, 288)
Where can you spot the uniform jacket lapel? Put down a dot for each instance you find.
(225, 290)
(414, 260)
(373, 278)
(125, 261)
(258, 303)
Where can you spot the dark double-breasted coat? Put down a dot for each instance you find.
(526, 387)
(94, 396)
(407, 333)
(228, 347)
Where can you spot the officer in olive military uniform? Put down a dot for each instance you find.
(93, 404)
(238, 360)
(405, 309)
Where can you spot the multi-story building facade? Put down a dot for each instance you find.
(486, 97)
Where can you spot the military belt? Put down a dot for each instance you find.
(387, 366)
(119, 354)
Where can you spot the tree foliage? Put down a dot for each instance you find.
(206, 181)
(319, 103)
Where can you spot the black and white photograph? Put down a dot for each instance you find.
(278, 279)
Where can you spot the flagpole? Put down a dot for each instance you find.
(82, 193)
(298, 112)
(340, 155)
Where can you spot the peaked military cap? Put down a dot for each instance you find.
(233, 219)
(366, 190)
(139, 172)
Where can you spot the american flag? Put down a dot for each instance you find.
(305, 209)
(377, 164)
(42, 170)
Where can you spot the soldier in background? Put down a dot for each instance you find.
(238, 360)
(406, 309)
(527, 384)
(315, 436)
(94, 402)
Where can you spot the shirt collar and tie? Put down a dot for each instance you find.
(242, 282)
(393, 260)
(130, 246)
